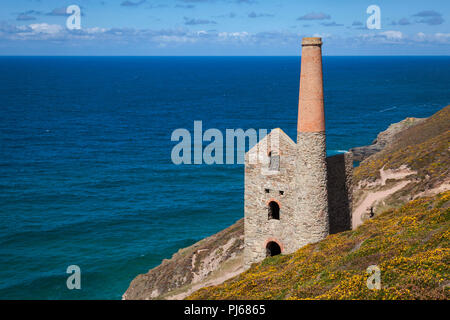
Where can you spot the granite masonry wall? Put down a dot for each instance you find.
(340, 191)
(263, 186)
(312, 191)
(311, 184)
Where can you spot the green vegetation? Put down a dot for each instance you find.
(423, 148)
(409, 241)
(409, 244)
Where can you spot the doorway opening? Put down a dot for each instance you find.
(272, 249)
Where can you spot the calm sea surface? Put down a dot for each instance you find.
(86, 176)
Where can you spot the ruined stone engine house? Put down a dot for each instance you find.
(299, 195)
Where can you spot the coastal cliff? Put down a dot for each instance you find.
(384, 139)
(207, 262)
(411, 161)
(415, 164)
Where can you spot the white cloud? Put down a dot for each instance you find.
(392, 35)
(95, 30)
(175, 39)
(322, 35)
(46, 28)
(168, 37)
(389, 36)
(437, 38)
(234, 35)
(443, 37)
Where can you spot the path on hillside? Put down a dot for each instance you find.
(372, 197)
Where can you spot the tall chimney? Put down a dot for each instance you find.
(311, 174)
(310, 103)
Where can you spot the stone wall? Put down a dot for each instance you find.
(311, 218)
(261, 187)
(340, 191)
(313, 192)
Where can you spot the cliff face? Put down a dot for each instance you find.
(416, 163)
(205, 263)
(384, 138)
(413, 163)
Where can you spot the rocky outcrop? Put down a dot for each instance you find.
(207, 262)
(384, 138)
(414, 164)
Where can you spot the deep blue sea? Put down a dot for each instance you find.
(86, 176)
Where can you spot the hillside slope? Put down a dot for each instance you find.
(207, 262)
(384, 138)
(415, 164)
(410, 245)
(409, 242)
(414, 148)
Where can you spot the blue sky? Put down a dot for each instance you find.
(223, 27)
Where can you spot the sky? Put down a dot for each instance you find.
(223, 27)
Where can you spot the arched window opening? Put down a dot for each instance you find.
(274, 210)
(272, 249)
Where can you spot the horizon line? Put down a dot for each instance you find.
(219, 56)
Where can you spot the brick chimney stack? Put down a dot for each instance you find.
(311, 174)
(310, 105)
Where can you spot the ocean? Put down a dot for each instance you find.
(85, 152)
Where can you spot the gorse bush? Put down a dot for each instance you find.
(410, 245)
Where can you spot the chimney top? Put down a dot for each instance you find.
(310, 105)
(312, 41)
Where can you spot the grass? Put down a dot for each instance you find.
(409, 244)
(423, 148)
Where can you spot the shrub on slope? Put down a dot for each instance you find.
(410, 245)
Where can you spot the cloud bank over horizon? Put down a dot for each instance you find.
(219, 27)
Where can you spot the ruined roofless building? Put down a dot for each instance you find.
(297, 195)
